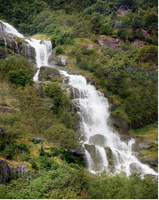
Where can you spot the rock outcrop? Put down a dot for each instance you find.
(119, 123)
(48, 74)
(113, 43)
(10, 44)
(61, 60)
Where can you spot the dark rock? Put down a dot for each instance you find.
(119, 123)
(46, 71)
(5, 172)
(109, 155)
(150, 161)
(1, 130)
(48, 103)
(76, 152)
(16, 44)
(98, 140)
(92, 82)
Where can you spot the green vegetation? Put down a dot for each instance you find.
(127, 70)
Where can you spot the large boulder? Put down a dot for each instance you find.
(98, 140)
(48, 73)
(61, 60)
(135, 168)
(119, 123)
(150, 161)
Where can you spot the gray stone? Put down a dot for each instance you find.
(144, 146)
(96, 163)
(135, 168)
(151, 140)
(119, 123)
(38, 138)
(46, 71)
(98, 140)
(150, 176)
(61, 60)
(150, 161)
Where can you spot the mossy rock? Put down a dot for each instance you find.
(48, 74)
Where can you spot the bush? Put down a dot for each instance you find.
(59, 50)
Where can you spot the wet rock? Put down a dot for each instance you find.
(109, 155)
(5, 172)
(150, 161)
(135, 168)
(61, 60)
(96, 163)
(16, 44)
(119, 123)
(98, 140)
(46, 71)
(92, 82)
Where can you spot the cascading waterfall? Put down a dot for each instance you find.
(97, 136)
(43, 49)
(102, 145)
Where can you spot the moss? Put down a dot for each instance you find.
(120, 110)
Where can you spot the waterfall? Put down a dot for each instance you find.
(43, 49)
(5, 43)
(10, 29)
(102, 145)
(98, 136)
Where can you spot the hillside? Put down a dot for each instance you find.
(114, 44)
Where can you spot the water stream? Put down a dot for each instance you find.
(103, 146)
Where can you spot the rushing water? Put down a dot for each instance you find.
(98, 136)
(102, 145)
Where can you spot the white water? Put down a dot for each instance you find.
(43, 49)
(10, 29)
(93, 109)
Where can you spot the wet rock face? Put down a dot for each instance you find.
(95, 156)
(109, 155)
(15, 44)
(135, 168)
(150, 161)
(119, 123)
(98, 140)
